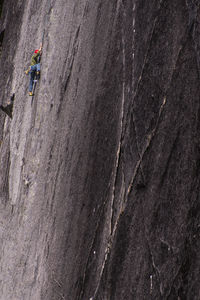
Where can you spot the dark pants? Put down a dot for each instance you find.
(33, 70)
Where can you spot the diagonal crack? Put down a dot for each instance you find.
(71, 59)
(112, 231)
(152, 134)
(147, 51)
(146, 146)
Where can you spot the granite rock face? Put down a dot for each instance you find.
(99, 173)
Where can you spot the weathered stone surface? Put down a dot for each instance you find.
(99, 174)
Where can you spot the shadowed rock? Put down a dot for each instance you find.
(8, 109)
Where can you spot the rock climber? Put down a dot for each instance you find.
(34, 68)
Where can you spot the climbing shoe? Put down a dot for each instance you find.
(30, 93)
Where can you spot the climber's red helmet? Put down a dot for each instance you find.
(36, 51)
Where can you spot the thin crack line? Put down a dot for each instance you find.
(143, 67)
(118, 152)
(148, 142)
(109, 244)
(151, 135)
(148, 48)
(155, 268)
(90, 250)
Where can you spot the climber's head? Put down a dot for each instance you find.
(36, 51)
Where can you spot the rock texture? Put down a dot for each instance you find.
(99, 173)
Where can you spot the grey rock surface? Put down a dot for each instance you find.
(99, 172)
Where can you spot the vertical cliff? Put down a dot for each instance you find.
(99, 173)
